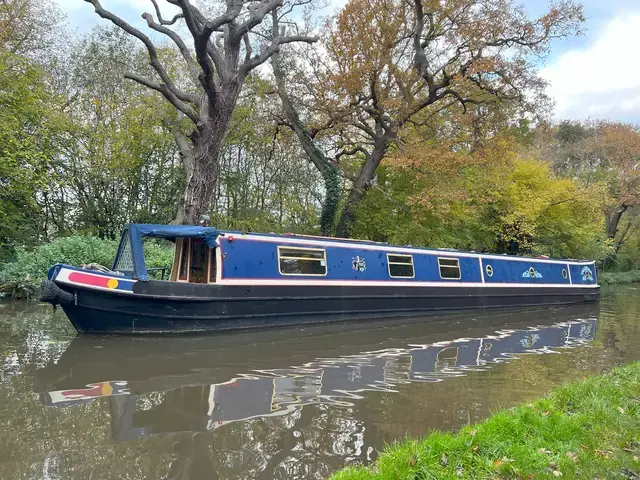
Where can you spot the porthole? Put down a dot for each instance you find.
(489, 270)
(564, 273)
(532, 272)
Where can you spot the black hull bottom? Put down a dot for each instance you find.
(219, 308)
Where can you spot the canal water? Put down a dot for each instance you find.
(286, 404)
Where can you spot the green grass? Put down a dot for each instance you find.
(612, 278)
(584, 430)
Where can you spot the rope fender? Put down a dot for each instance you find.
(50, 292)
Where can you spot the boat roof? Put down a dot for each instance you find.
(171, 232)
(210, 234)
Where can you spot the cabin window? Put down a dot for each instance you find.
(449, 268)
(400, 266)
(564, 273)
(302, 261)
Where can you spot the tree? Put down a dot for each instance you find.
(24, 147)
(224, 57)
(602, 151)
(390, 65)
(494, 198)
(615, 147)
(26, 26)
(119, 163)
(327, 166)
(265, 184)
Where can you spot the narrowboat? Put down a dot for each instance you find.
(226, 280)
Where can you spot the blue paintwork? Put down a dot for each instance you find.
(508, 271)
(584, 274)
(246, 258)
(253, 259)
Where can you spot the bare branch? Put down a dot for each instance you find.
(271, 50)
(208, 55)
(247, 48)
(351, 152)
(184, 50)
(153, 54)
(166, 93)
(255, 18)
(163, 21)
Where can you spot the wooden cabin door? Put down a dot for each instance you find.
(198, 265)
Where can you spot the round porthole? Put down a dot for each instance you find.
(489, 270)
(532, 272)
(564, 273)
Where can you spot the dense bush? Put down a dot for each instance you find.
(611, 278)
(22, 277)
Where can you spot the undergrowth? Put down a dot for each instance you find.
(22, 277)
(612, 278)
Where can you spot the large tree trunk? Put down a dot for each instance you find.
(613, 220)
(201, 181)
(201, 158)
(362, 184)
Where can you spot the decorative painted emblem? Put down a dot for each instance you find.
(531, 273)
(358, 264)
(587, 274)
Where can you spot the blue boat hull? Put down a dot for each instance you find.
(160, 307)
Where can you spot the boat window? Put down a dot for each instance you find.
(489, 270)
(124, 262)
(184, 260)
(449, 268)
(302, 261)
(564, 273)
(400, 266)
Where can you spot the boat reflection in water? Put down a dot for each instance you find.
(161, 385)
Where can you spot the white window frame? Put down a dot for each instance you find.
(324, 260)
(457, 260)
(389, 263)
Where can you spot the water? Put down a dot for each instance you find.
(294, 403)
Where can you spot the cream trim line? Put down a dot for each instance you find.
(289, 241)
(388, 283)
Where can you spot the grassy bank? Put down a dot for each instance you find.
(613, 278)
(589, 429)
